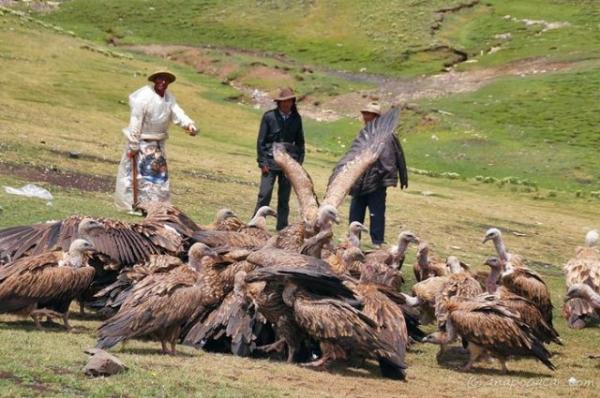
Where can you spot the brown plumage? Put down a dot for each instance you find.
(232, 324)
(527, 310)
(583, 268)
(529, 284)
(169, 215)
(228, 239)
(258, 225)
(490, 326)
(426, 292)
(45, 284)
(110, 298)
(271, 257)
(428, 265)
(162, 303)
(341, 330)
(225, 220)
(125, 244)
(363, 153)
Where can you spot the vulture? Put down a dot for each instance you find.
(170, 216)
(353, 235)
(316, 216)
(428, 266)
(123, 243)
(45, 284)
(394, 256)
(495, 236)
(424, 296)
(342, 330)
(225, 220)
(527, 310)
(586, 293)
(314, 246)
(258, 225)
(325, 309)
(529, 284)
(583, 268)
(163, 303)
(234, 324)
(488, 326)
(109, 299)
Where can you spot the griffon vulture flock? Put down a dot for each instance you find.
(295, 295)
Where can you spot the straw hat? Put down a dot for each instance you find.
(285, 94)
(162, 72)
(372, 107)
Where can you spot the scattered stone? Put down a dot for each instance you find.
(74, 155)
(427, 193)
(503, 36)
(515, 233)
(101, 363)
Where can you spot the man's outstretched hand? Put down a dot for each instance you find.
(191, 130)
(265, 169)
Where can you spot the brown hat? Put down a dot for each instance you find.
(285, 94)
(162, 72)
(372, 107)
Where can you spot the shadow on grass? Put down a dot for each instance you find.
(152, 351)
(456, 357)
(51, 327)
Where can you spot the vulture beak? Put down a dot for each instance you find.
(336, 219)
(486, 238)
(363, 228)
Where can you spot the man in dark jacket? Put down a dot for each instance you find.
(282, 124)
(370, 190)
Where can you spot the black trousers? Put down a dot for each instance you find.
(267, 182)
(375, 201)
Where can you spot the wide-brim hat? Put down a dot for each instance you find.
(372, 107)
(162, 72)
(285, 94)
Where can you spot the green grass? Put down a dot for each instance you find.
(383, 36)
(51, 104)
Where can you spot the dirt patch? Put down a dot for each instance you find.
(10, 376)
(61, 178)
(440, 14)
(83, 156)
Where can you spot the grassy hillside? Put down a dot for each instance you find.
(383, 36)
(61, 94)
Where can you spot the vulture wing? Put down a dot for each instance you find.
(300, 180)
(364, 151)
(270, 257)
(228, 239)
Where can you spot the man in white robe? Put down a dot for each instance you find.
(153, 108)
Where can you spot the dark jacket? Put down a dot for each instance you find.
(385, 171)
(274, 129)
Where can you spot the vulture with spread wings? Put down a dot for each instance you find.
(365, 150)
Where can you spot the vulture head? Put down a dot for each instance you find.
(591, 238)
(494, 263)
(492, 234)
(80, 249)
(582, 291)
(454, 264)
(356, 228)
(327, 215)
(411, 300)
(198, 252)
(89, 227)
(224, 214)
(436, 338)
(266, 211)
(407, 237)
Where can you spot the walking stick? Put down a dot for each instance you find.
(134, 175)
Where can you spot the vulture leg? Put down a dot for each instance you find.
(65, 318)
(474, 353)
(441, 351)
(81, 308)
(329, 353)
(173, 335)
(277, 346)
(38, 313)
(503, 365)
(163, 345)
